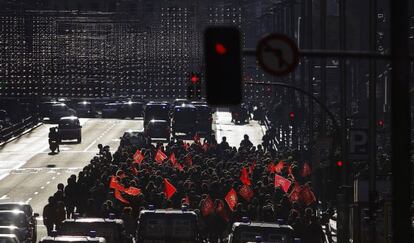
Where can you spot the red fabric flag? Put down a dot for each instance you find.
(294, 194)
(160, 156)
(114, 184)
(133, 191)
(179, 166)
(207, 206)
(244, 177)
(169, 189)
(134, 170)
(196, 139)
(306, 170)
(306, 195)
(138, 157)
(172, 159)
(282, 182)
(186, 146)
(246, 192)
(231, 199)
(118, 196)
(221, 210)
(189, 160)
(278, 168)
(271, 167)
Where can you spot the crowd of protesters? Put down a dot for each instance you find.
(222, 184)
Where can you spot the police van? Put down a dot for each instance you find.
(164, 225)
(111, 229)
(246, 231)
(156, 111)
(184, 120)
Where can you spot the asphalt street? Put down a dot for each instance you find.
(29, 173)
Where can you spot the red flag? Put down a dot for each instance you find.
(186, 200)
(231, 199)
(169, 189)
(114, 184)
(138, 157)
(207, 206)
(134, 170)
(244, 177)
(246, 192)
(306, 195)
(294, 194)
(189, 160)
(196, 139)
(306, 170)
(221, 210)
(179, 166)
(160, 156)
(186, 146)
(121, 174)
(172, 159)
(252, 167)
(271, 167)
(118, 196)
(282, 182)
(278, 168)
(133, 191)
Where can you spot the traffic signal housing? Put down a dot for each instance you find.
(222, 52)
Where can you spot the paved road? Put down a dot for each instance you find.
(29, 173)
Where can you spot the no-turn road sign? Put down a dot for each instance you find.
(277, 54)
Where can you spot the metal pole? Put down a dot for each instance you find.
(323, 12)
(372, 146)
(400, 123)
(343, 216)
(309, 40)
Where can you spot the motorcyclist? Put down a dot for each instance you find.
(53, 137)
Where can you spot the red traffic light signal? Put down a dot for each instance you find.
(291, 115)
(339, 163)
(220, 48)
(194, 78)
(380, 123)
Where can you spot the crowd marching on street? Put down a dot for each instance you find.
(222, 184)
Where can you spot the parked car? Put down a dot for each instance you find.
(27, 209)
(69, 128)
(25, 229)
(12, 230)
(184, 120)
(158, 129)
(85, 109)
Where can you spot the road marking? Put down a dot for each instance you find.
(47, 183)
(90, 145)
(42, 187)
(28, 200)
(4, 197)
(36, 193)
(53, 178)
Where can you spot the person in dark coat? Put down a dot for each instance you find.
(49, 215)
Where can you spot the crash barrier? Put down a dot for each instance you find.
(17, 128)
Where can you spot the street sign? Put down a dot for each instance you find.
(358, 144)
(277, 54)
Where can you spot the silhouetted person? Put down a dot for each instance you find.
(49, 215)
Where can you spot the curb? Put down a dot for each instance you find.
(21, 134)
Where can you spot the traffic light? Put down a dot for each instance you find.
(222, 54)
(291, 118)
(195, 78)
